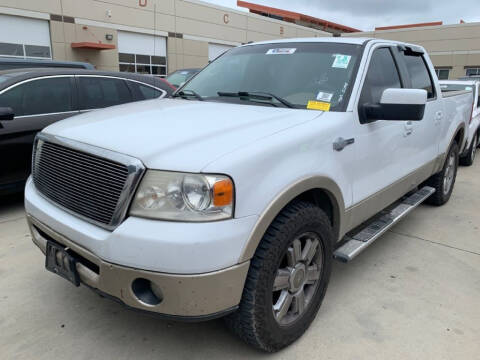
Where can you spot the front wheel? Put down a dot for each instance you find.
(444, 181)
(287, 279)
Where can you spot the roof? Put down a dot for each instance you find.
(341, 40)
(45, 61)
(14, 76)
(291, 16)
(407, 26)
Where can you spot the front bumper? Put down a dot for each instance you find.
(183, 297)
(152, 245)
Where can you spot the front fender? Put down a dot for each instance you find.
(285, 197)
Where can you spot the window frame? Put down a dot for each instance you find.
(74, 96)
(77, 82)
(26, 57)
(477, 69)
(438, 69)
(408, 80)
(151, 64)
(127, 80)
(400, 71)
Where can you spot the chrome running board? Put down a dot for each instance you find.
(357, 242)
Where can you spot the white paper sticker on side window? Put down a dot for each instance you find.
(341, 61)
(281, 51)
(324, 96)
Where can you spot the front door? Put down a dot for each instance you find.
(36, 103)
(379, 144)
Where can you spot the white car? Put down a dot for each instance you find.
(234, 197)
(473, 129)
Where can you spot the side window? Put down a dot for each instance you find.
(98, 92)
(382, 74)
(419, 74)
(42, 96)
(149, 92)
(144, 92)
(13, 98)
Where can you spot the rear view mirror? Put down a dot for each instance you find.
(397, 105)
(6, 113)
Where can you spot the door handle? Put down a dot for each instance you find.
(408, 128)
(340, 143)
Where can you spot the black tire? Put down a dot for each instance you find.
(441, 196)
(254, 321)
(469, 157)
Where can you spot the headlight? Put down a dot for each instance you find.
(184, 197)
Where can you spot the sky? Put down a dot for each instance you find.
(368, 14)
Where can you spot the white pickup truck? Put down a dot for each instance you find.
(473, 128)
(234, 197)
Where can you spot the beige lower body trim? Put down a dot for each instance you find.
(367, 208)
(194, 295)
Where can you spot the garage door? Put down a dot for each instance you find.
(215, 50)
(140, 53)
(24, 38)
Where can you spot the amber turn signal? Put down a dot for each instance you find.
(223, 193)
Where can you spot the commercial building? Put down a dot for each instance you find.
(147, 36)
(454, 49)
(296, 18)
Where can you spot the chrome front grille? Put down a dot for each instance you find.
(90, 182)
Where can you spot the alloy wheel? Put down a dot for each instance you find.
(449, 174)
(297, 278)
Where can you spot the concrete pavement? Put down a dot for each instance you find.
(414, 294)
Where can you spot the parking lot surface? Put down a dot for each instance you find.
(414, 294)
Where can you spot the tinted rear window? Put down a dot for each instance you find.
(98, 92)
(419, 74)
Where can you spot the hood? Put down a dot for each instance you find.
(180, 135)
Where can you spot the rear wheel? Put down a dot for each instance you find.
(469, 158)
(287, 279)
(444, 181)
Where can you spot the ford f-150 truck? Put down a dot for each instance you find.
(233, 198)
(473, 128)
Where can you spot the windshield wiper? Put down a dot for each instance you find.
(260, 95)
(184, 94)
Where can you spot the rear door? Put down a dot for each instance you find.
(36, 103)
(96, 92)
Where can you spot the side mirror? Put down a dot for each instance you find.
(6, 113)
(396, 105)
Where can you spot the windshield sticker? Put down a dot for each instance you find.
(324, 96)
(468, 88)
(341, 61)
(318, 105)
(281, 51)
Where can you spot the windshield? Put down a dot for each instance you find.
(179, 77)
(300, 73)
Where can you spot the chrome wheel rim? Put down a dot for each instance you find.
(449, 174)
(297, 278)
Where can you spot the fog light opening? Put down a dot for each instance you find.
(147, 292)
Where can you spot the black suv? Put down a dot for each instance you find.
(31, 99)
